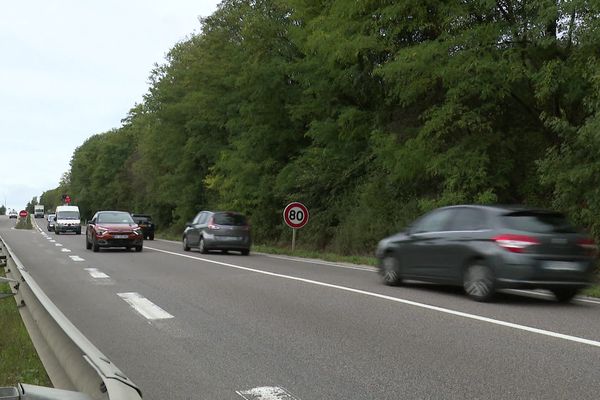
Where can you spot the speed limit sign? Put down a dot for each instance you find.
(295, 215)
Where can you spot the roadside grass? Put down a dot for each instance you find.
(19, 362)
(24, 223)
(593, 291)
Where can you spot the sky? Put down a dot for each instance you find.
(70, 69)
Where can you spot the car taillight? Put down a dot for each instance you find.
(589, 246)
(515, 243)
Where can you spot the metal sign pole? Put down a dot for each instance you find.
(293, 238)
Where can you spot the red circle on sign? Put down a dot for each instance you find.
(22, 213)
(295, 215)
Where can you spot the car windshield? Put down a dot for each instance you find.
(67, 215)
(538, 222)
(114, 218)
(229, 219)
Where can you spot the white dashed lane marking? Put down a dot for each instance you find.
(65, 250)
(266, 393)
(144, 306)
(58, 244)
(97, 274)
(76, 258)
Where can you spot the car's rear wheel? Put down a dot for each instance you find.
(565, 295)
(151, 236)
(202, 246)
(186, 247)
(479, 282)
(391, 270)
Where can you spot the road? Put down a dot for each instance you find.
(184, 325)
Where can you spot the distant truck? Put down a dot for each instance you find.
(38, 211)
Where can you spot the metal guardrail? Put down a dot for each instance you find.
(73, 363)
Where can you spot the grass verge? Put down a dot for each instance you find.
(592, 291)
(19, 362)
(24, 223)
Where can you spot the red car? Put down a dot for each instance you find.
(113, 229)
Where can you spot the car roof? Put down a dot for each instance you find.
(503, 208)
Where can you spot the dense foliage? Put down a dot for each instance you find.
(369, 112)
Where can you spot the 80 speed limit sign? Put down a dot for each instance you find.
(295, 215)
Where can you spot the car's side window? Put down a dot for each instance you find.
(436, 221)
(468, 219)
(204, 218)
(198, 217)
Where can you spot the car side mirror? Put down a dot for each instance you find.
(189, 224)
(54, 219)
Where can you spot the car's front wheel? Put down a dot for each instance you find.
(479, 282)
(391, 271)
(565, 295)
(186, 246)
(88, 245)
(138, 248)
(95, 246)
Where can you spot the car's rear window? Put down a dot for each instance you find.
(114, 218)
(142, 219)
(230, 219)
(538, 222)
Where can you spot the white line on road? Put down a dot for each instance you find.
(144, 306)
(58, 245)
(399, 300)
(65, 250)
(52, 240)
(321, 262)
(76, 258)
(96, 274)
(266, 393)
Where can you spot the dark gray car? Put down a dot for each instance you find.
(485, 248)
(223, 231)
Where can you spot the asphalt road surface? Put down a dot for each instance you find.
(183, 325)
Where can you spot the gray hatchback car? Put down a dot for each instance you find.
(218, 230)
(485, 248)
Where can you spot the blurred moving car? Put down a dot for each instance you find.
(485, 248)
(51, 222)
(113, 229)
(223, 231)
(144, 221)
(13, 214)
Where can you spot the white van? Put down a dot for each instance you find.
(67, 220)
(38, 211)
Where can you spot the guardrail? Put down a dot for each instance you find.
(77, 369)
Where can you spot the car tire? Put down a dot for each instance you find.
(95, 247)
(479, 282)
(202, 246)
(565, 295)
(245, 252)
(56, 231)
(186, 247)
(391, 270)
(151, 237)
(88, 245)
(138, 248)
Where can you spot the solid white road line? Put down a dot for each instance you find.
(321, 262)
(76, 258)
(144, 306)
(399, 300)
(266, 393)
(96, 274)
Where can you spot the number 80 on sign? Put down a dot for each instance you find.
(295, 215)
